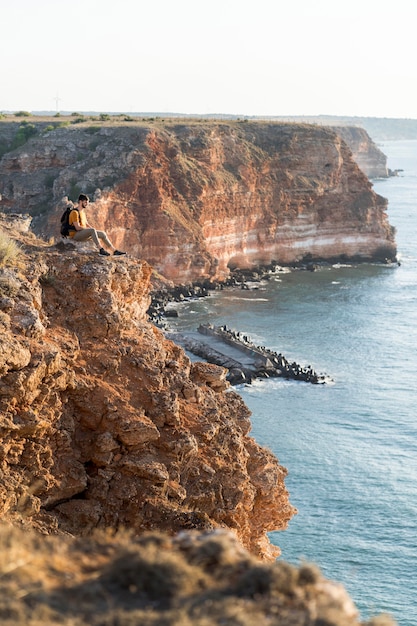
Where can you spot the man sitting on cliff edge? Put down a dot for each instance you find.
(81, 230)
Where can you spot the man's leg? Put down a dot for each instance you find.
(85, 234)
(103, 236)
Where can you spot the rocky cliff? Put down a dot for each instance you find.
(371, 160)
(198, 199)
(104, 422)
(107, 425)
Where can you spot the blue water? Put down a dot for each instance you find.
(350, 447)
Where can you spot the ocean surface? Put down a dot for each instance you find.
(350, 447)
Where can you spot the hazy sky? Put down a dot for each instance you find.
(264, 57)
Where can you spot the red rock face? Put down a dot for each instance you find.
(200, 198)
(210, 200)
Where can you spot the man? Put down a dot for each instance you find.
(81, 230)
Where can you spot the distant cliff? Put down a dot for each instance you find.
(199, 199)
(379, 128)
(366, 153)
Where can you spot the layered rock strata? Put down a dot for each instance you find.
(107, 424)
(199, 199)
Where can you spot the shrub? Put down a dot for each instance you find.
(22, 114)
(75, 190)
(155, 576)
(49, 181)
(262, 579)
(23, 134)
(38, 209)
(47, 279)
(9, 250)
(4, 147)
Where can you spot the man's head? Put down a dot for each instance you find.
(83, 199)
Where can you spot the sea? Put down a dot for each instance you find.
(350, 445)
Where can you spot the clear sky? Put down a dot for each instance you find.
(263, 57)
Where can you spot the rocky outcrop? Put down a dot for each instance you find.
(107, 424)
(199, 199)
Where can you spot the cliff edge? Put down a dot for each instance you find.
(107, 424)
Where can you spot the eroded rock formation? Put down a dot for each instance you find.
(196, 199)
(107, 424)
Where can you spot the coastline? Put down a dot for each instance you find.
(165, 293)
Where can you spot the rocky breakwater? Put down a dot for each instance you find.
(199, 199)
(244, 360)
(107, 424)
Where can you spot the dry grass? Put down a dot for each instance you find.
(10, 252)
(154, 580)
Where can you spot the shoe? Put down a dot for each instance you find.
(104, 252)
(118, 253)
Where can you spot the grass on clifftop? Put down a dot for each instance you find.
(10, 251)
(154, 580)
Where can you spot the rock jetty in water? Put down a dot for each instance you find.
(244, 360)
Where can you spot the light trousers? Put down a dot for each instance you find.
(91, 233)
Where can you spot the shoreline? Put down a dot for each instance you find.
(247, 279)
